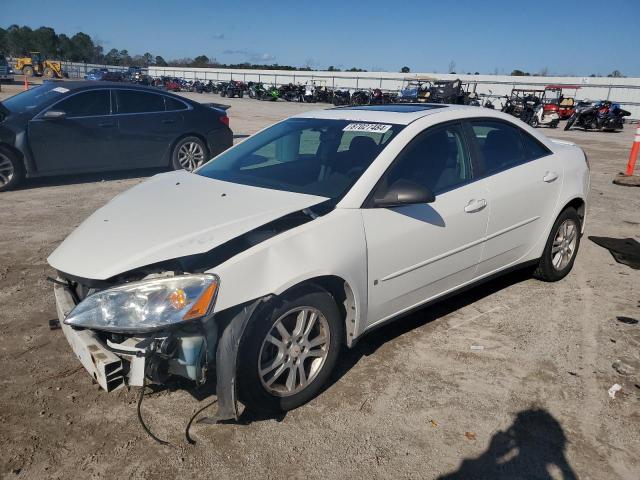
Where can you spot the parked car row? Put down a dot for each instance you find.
(76, 127)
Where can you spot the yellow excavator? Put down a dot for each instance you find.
(37, 65)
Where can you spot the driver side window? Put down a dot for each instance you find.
(436, 159)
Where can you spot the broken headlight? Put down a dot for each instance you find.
(147, 305)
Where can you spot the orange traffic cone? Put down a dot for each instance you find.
(26, 83)
(628, 178)
(633, 156)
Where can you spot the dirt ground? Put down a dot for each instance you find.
(412, 400)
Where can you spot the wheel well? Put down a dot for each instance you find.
(579, 206)
(12, 151)
(342, 293)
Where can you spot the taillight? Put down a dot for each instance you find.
(224, 119)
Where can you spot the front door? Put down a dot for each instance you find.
(85, 139)
(418, 252)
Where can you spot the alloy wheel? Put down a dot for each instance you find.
(6, 170)
(294, 351)
(564, 244)
(190, 155)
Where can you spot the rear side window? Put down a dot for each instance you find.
(172, 104)
(87, 104)
(505, 146)
(136, 101)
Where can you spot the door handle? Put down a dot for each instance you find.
(106, 125)
(475, 205)
(167, 122)
(550, 177)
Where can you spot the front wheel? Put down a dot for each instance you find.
(188, 154)
(561, 248)
(11, 170)
(289, 350)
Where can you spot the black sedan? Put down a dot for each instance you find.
(75, 127)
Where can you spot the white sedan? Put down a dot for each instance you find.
(258, 268)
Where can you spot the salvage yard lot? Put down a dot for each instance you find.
(509, 379)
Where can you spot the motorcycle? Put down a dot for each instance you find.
(602, 115)
(361, 97)
(292, 93)
(341, 97)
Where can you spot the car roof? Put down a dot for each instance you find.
(399, 114)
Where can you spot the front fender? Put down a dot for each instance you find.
(332, 245)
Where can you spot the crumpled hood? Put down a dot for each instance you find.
(168, 216)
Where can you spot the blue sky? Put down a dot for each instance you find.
(566, 36)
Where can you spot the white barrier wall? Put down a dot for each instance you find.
(625, 91)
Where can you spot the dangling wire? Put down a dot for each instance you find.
(186, 432)
(146, 429)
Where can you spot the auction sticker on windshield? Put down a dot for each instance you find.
(367, 127)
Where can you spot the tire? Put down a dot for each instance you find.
(11, 170)
(240, 94)
(223, 93)
(49, 73)
(570, 122)
(189, 153)
(534, 122)
(549, 269)
(255, 349)
(28, 71)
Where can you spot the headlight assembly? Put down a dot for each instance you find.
(147, 305)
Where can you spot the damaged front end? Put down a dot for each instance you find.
(152, 330)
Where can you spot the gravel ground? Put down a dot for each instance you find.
(412, 400)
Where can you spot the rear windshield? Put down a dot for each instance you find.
(304, 155)
(33, 98)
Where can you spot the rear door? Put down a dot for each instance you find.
(148, 124)
(523, 179)
(84, 140)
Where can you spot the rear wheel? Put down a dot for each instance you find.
(49, 73)
(11, 170)
(289, 351)
(561, 248)
(28, 71)
(189, 153)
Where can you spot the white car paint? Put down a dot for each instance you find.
(388, 259)
(171, 215)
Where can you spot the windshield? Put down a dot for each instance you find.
(304, 155)
(33, 98)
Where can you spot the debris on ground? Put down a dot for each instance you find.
(470, 435)
(623, 368)
(477, 348)
(628, 320)
(614, 388)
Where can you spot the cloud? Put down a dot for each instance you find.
(261, 57)
(249, 56)
(236, 52)
(217, 36)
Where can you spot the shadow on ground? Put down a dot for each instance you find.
(532, 447)
(32, 183)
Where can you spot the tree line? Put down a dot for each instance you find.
(17, 41)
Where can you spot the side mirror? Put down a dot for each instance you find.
(404, 192)
(54, 115)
